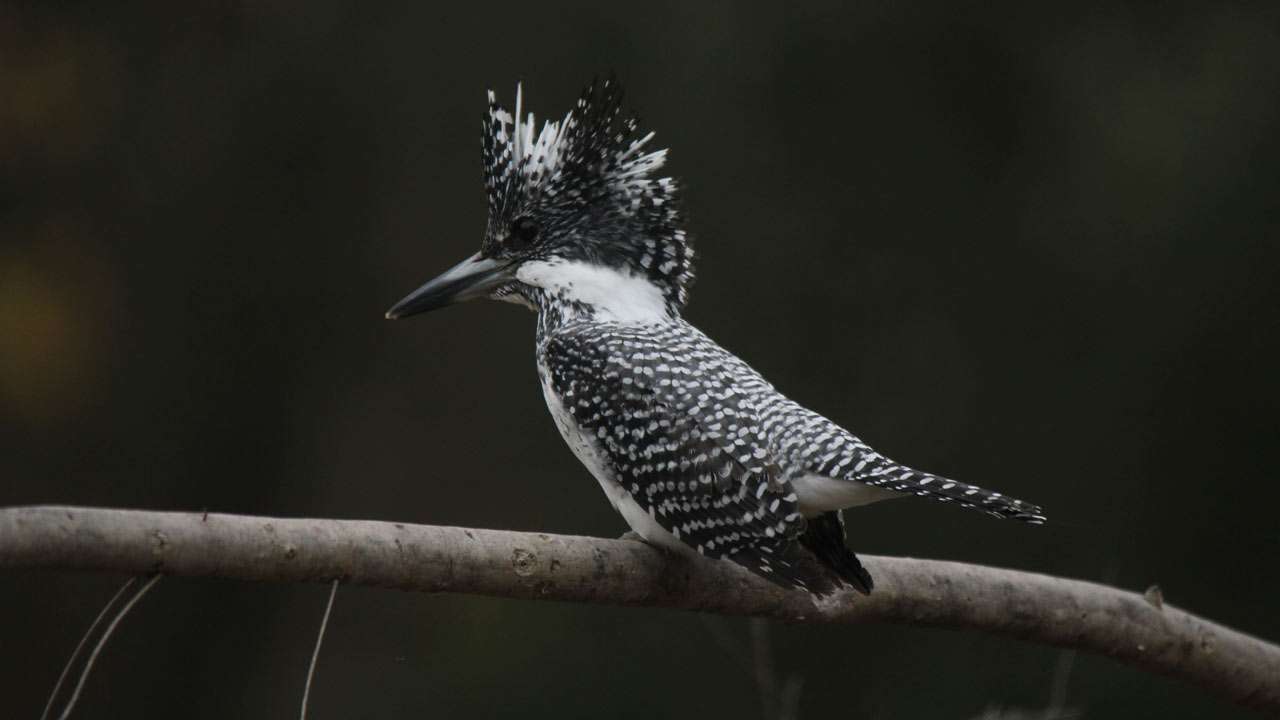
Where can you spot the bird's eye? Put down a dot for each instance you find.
(524, 231)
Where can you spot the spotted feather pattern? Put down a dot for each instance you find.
(709, 448)
(813, 444)
(680, 436)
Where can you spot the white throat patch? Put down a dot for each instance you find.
(613, 294)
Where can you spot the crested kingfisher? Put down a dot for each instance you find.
(694, 449)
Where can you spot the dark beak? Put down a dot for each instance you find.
(472, 278)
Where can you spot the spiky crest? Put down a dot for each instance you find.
(591, 185)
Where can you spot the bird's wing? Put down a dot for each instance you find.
(683, 442)
(823, 448)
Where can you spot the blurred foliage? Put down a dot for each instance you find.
(1032, 248)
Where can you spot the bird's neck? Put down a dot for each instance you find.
(562, 291)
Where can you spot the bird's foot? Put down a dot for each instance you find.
(634, 536)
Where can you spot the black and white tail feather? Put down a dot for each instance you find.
(883, 473)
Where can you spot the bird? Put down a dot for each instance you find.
(695, 449)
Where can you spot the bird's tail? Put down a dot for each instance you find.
(818, 563)
(891, 476)
(971, 496)
(789, 570)
(824, 537)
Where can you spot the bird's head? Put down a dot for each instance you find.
(577, 218)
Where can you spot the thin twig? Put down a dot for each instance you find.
(789, 698)
(1058, 690)
(66, 669)
(766, 675)
(732, 648)
(315, 654)
(102, 641)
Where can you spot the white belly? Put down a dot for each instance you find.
(818, 494)
(587, 449)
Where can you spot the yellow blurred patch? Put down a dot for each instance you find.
(59, 92)
(55, 304)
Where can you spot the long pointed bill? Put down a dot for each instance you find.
(471, 278)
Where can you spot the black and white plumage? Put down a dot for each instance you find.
(694, 449)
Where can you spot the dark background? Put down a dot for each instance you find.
(1030, 249)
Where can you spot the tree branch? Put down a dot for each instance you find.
(1038, 608)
